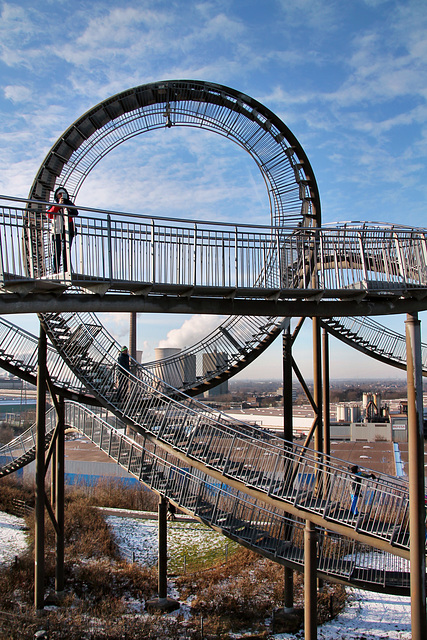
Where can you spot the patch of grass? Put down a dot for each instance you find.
(194, 547)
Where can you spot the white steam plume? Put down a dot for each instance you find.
(191, 331)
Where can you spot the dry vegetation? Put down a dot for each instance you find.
(105, 596)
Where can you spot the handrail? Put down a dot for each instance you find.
(374, 339)
(344, 260)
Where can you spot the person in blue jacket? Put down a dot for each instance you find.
(358, 474)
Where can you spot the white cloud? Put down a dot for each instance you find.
(117, 324)
(218, 28)
(192, 330)
(312, 14)
(19, 27)
(17, 93)
(127, 32)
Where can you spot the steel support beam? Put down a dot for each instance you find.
(317, 383)
(288, 435)
(326, 395)
(417, 512)
(39, 559)
(310, 583)
(132, 334)
(59, 471)
(162, 567)
(11, 303)
(162, 603)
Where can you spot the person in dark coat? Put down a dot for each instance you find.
(123, 372)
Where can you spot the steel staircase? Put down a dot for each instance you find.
(242, 517)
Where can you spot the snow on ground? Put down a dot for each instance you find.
(135, 538)
(367, 616)
(13, 539)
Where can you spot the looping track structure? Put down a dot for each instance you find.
(291, 186)
(237, 478)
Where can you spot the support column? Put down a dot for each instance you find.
(417, 511)
(132, 352)
(288, 435)
(39, 560)
(162, 603)
(318, 400)
(59, 472)
(132, 335)
(163, 548)
(317, 382)
(310, 585)
(53, 479)
(326, 398)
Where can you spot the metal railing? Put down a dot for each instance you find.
(242, 517)
(130, 252)
(235, 340)
(287, 472)
(19, 349)
(373, 338)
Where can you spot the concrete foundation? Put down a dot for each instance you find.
(162, 605)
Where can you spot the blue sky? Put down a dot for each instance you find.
(348, 78)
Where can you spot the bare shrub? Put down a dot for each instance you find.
(7, 433)
(243, 593)
(86, 534)
(12, 489)
(98, 586)
(116, 493)
(17, 579)
(102, 584)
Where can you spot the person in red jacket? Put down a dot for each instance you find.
(56, 214)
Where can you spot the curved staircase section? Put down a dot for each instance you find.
(373, 339)
(19, 354)
(236, 451)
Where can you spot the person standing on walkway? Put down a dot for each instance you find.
(56, 214)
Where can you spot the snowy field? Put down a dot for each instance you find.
(367, 616)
